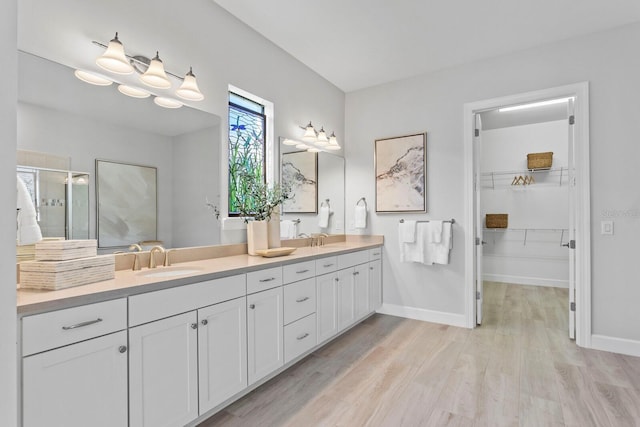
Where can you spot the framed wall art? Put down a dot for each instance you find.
(401, 171)
(127, 200)
(300, 174)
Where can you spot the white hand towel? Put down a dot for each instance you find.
(417, 251)
(360, 216)
(442, 250)
(323, 217)
(28, 229)
(407, 231)
(435, 231)
(287, 229)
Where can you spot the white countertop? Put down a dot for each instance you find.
(127, 282)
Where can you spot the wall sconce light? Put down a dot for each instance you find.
(319, 139)
(152, 73)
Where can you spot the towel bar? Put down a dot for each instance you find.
(452, 221)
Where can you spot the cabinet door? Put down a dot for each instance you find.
(375, 285)
(327, 306)
(361, 290)
(346, 298)
(83, 384)
(264, 333)
(163, 372)
(222, 352)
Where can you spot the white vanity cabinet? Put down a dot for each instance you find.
(264, 333)
(173, 364)
(375, 284)
(163, 372)
(346, 298)
(327, 306)
(74, 369)
(222, 352)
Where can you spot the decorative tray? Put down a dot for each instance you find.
(274, 252)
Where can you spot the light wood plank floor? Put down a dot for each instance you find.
(518, 369)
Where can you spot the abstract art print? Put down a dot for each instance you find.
(401, 170)
(300, 174)
(127, 203)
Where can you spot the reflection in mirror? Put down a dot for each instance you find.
(60, 199)
(62, 116)
(330, 186)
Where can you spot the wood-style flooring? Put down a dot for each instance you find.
(518, 369)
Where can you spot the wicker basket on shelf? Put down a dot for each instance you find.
(539, 160)
(496, 220)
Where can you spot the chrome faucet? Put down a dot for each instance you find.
(152, 258)
(167, 262)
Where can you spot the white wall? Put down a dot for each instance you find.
(511, 256)
(8, 99)
(434, 103)
(196, 157)
(84, 140)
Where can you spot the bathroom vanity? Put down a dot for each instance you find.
(176, 344)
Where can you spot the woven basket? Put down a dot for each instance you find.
(539, 160)
(497, 220)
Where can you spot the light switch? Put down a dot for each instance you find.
(606, 227)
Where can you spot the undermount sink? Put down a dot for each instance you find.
(169, 271)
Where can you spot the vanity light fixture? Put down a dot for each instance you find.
(189, 89)
(155, 75)
(114, 59)
(165, 102)
(92, 78)
(133, 92)
(152, 73)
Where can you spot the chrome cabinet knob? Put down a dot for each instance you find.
(122, 349)
(194, 326)
(204, 322)
(252, 306)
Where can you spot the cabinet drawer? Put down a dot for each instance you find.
(156, 305)
(354, 258)
(375, 253)
(299, 300)
(299, 337)
(299, 271)
(264, 279)
(326, 265)
(45, 331)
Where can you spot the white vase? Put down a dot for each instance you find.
(257, 236)
(273, 231)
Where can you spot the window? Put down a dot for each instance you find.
(247, 147)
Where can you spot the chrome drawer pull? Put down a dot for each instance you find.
(303, 299)
(376, 253)
(303, 336)
(267, 280)
(81, 324)
(327, 265)
(302, 271)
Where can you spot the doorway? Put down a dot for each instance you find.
(573, 169)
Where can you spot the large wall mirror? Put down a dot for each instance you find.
(317, 188)
(63, 116)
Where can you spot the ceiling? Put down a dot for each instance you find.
(357, 44)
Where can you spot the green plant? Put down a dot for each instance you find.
(260, 200)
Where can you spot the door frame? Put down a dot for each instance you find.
(582, 188)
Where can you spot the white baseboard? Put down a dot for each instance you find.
(615, 345)
(441, 317)
(523, 280)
